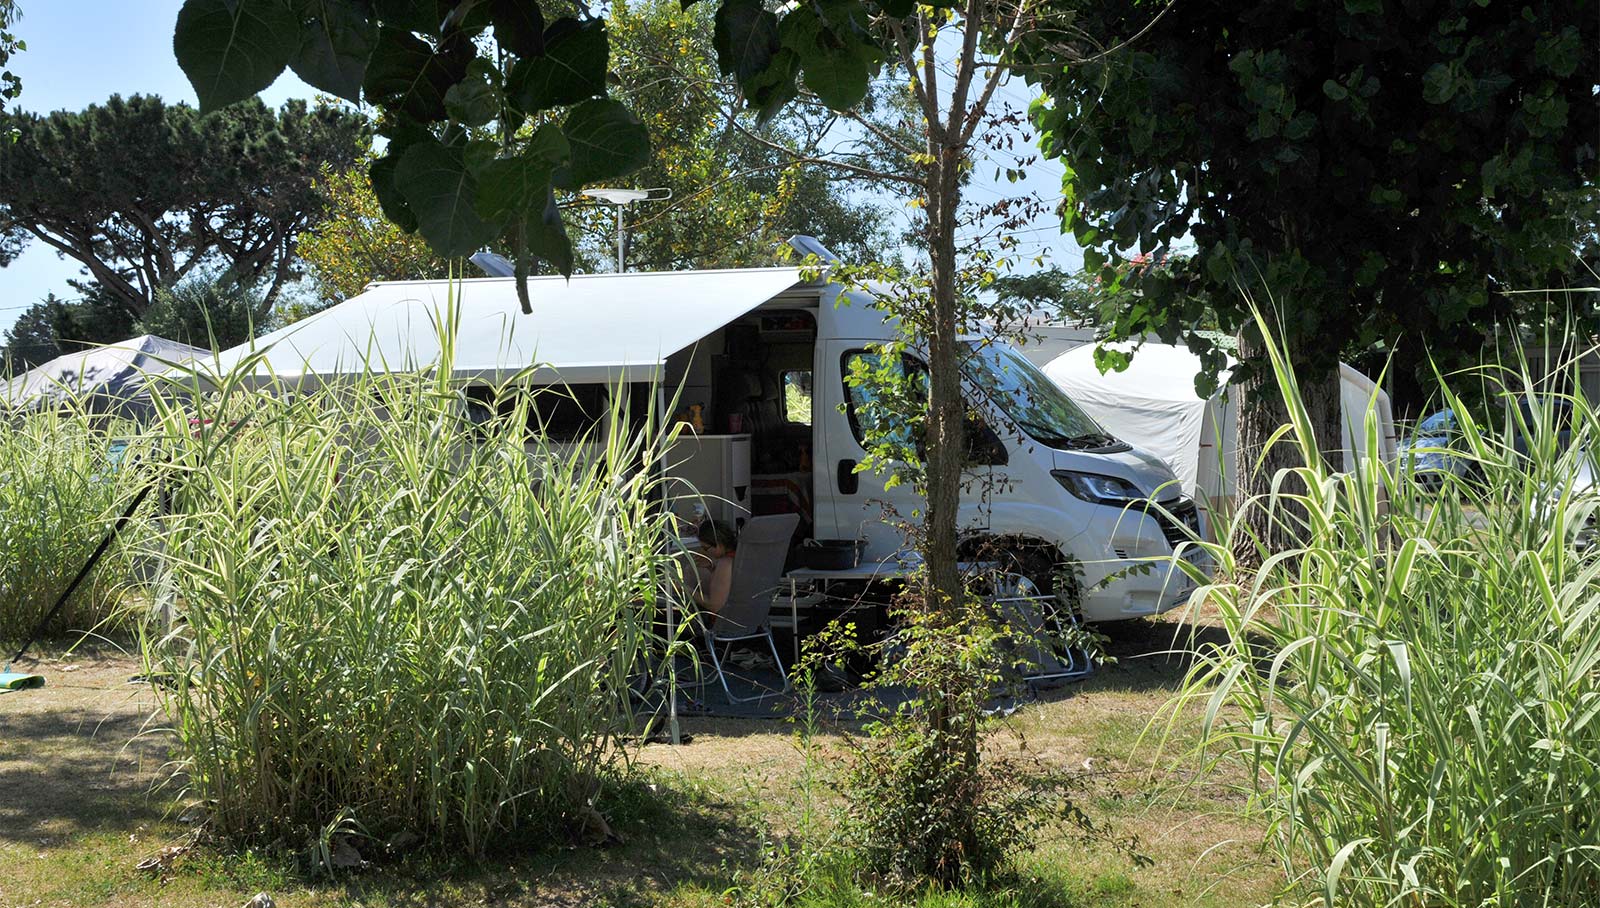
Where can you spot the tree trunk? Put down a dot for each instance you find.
(945, 406)
(1261, 412)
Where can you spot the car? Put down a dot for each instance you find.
(1436, 449)
(1430, 453)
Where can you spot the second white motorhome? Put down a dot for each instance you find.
(758, 357)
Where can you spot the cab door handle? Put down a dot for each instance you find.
(849, 479)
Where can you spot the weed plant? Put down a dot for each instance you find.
(395, 622)
(60, 489)
(1415, 683)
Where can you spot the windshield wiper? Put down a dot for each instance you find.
(1092, 440)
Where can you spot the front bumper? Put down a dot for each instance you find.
(1139, 587)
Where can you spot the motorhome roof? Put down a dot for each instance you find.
(592, 328)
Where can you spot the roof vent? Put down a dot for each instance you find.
(810, 245)
(493, 264)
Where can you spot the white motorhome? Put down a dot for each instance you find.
(759, 356)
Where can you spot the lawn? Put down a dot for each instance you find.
(79, 811)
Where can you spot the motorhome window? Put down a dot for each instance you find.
(872, 413)
(1031, 399)
(797, 397)
(867, 411)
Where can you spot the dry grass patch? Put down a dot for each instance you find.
(83, 815)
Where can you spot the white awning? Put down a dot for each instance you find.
(593, 328)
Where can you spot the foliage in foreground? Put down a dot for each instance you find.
(59, 488)
(394, 623)
(1392, 168)
(1416, 682)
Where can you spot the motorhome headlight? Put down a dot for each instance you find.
(1098, 489)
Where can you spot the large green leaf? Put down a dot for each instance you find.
(771, 91)
(547, 237)
(412, 15)
(518, 26)
(474, 100)
(607, 141)
(515, 187)
(836, 53)
(516, 192)
(232, 49)
(572, 69)
(405, 72)
(336, 40)
(436, 184)
(746, 39)
(839, 75)
(381, 175)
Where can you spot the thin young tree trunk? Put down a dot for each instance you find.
(1261, 412)
(945, 406)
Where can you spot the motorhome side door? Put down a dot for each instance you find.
(861, 504)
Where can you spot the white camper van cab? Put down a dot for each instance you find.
(1048, 486)
(758, 358)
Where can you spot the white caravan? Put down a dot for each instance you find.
(759, 357)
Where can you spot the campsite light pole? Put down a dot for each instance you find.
(622, 198)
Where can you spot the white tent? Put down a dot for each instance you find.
(110, 379)
(1153, 406)
(593, 328)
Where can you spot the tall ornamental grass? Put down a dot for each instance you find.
(1417, 685)
(393, 621)
(60, 489)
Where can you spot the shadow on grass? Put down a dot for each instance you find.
(1151, 657)
(673, 836)
(70, 772)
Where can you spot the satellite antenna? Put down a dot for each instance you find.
(622, 198)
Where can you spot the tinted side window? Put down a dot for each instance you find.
(866, 412)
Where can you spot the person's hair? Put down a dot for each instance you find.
(718, 533)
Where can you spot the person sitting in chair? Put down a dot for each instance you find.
(718, 541)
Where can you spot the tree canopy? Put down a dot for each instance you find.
(144, 194)
(481, 133)
(1370, 171)
(736, 196)
(353, 244)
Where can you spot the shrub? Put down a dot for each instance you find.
(396, 622)
(1416, 682)
(924, 804)
(60, 488)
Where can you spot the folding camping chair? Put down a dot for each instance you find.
(757, 574)
(1042, 632)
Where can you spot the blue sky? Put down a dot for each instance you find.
(82, 51)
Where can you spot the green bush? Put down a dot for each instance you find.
(925, 805)
(60, 489)
(394, 622)
(1416, 685)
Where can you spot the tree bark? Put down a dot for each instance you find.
(1279, 526)
(945, 405)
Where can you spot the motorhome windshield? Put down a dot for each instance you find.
(1032, 400)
